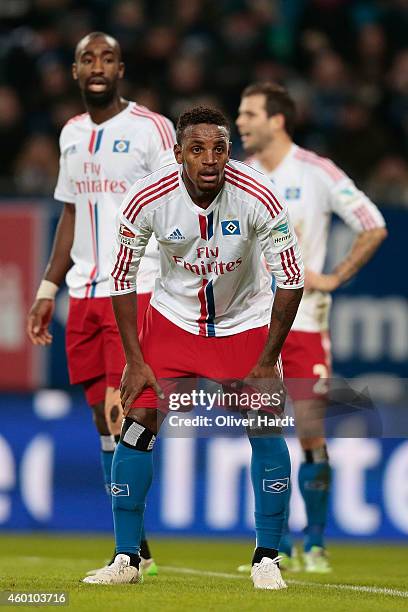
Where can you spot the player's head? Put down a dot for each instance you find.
(266, 110)
(98, 67)
(203, 148)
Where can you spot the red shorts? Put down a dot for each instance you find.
(94, 348)
(173, 352)
(306, 355)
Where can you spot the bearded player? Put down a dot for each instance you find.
(103, 152)
(314, 188)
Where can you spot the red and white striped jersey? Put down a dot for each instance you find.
(98, 165)
(314, 187)
(211, 283)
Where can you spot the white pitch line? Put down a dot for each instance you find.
(342, 587)
(194, 572)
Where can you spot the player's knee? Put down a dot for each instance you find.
(315, 453)
(113, 411)
(98, 414)
(149, 418)
(137, 436)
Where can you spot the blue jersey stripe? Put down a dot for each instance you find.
(210, 225)
(95, 208)
(209, 294)
(98, 140)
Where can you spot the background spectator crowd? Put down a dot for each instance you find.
(345, 63)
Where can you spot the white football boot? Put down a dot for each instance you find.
(266, 574)
(119, 572)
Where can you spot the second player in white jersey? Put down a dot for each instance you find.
(314, 188)
(211, 282)
(132, 144)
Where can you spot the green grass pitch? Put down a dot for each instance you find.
(201, 575)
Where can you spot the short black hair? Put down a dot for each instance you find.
(93, 35)
(200, 114)
(277, 101)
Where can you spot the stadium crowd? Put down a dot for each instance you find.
(344, 61)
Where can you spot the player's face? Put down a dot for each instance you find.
(97, 69)
(253, 123)
(204, 151)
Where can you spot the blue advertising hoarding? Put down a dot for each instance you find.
(51, 478)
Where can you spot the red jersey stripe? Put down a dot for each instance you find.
(203, 226)
(253, 193)
(118, 259)
(140, 194)
(162, 120)
(159, 122)
(77, 118)
(366, 218)
(203, 309)
(325, 164)
(267, 192)
(290, 266)
(159, 194)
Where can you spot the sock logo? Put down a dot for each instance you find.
(278, 485)
(120, 490)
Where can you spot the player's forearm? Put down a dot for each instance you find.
(361, 252)
(125, 309)
(60, 258)
(284, 310)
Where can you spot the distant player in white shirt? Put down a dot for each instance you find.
(314, 188)
(208, 318)
(103, 152)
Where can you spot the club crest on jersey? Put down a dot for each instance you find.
(119, 490)
(278, 485)
(176, 234)
(230, 228)
(292, 193)
(121, 146)
(126, 236)
(281, 233)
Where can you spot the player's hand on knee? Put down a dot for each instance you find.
(38, 320)
(267, 381)
(113, 411)
(134, 380)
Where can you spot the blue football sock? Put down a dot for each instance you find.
(286, 543)
(314, 484)
(107, 449)
(270, 474)
(132, 472)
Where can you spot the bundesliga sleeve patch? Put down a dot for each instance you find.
(281, 234)
(126, 236)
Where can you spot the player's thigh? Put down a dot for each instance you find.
(84, 341)
(306, 364)
(307, 368)
(170, 352)
(230, 357)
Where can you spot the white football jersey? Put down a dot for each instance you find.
(98, 165)
(211, 283)
(314, 187)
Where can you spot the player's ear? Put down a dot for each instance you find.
(121, 70)
(229, 149)
(177, 153)
(74, 71)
